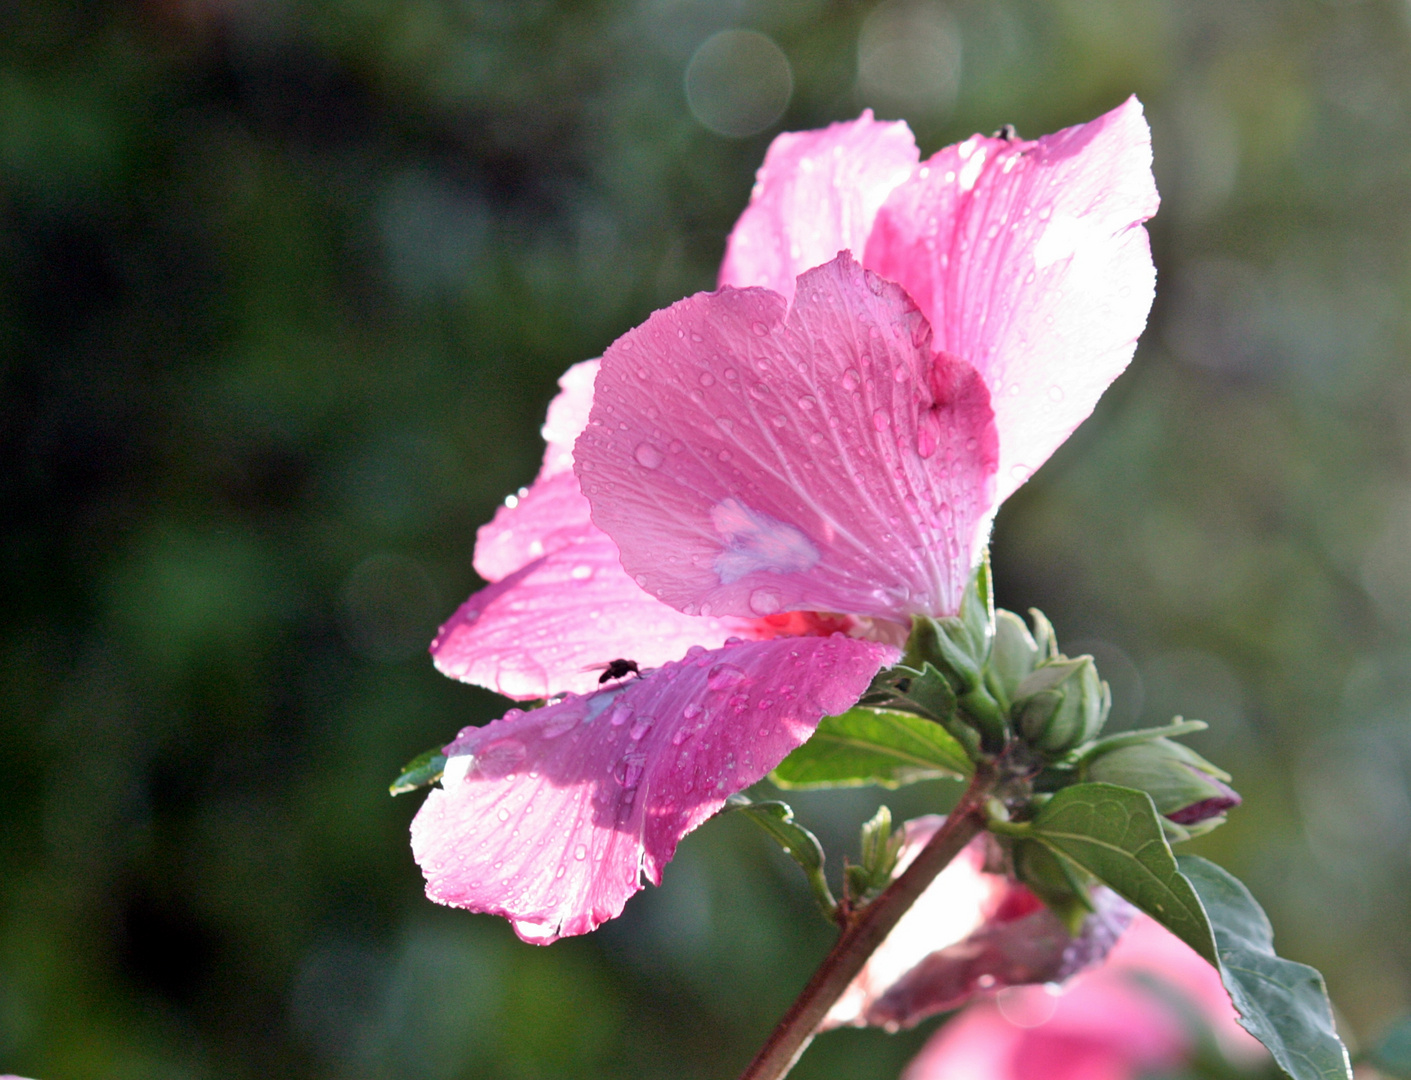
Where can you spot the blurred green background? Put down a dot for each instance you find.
(285, 286)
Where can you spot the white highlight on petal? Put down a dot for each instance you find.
(970, 171)
(756, 541)
(1065, 236)
(456, 769)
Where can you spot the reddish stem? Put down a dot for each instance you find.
(865, 931)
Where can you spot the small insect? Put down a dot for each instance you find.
(1006, 132)
(617, 669)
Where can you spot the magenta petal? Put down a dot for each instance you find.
(541, 630)
(551, 818)
(1033, 949)
(1032, 264)
(816, 194)
(748, 461)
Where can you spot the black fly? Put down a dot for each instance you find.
(619, 669)
(1006, 132)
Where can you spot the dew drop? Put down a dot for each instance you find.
(580, 852)
(641, 727)
(851, 379)
(881, 420)
(707, 379)
(691, 711)
(502, 814)
(765, 601)
(582, 572)
(807, 402)
(647, 455)
(1055, 393)
(724, 676)
(500, 757)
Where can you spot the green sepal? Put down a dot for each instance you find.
(1013, 656)
(1044, 636)
(777, 819)
(873, 746)
(921, 690)
(881, 846)
(1176, 729)
(1115, 834)
(1063, 888)
(419, 771)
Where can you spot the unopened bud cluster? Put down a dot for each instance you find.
(1013, 700)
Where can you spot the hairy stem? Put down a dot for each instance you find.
(865, 931)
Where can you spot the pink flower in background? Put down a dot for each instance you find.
(776, 478)
(1146, 1010)
(972, 931)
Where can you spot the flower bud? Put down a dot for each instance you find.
(1186, 788)
(1061, 704)
(1013, 654)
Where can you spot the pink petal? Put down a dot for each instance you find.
(970, 931)
(550, 818)
(1103, 1030)
(816, 194)
(748, 460)
(539, 631)
(550, 516)
(552, 513)
(1032, 264)
(1150, 949)
(1124, 1019)
(568, 416)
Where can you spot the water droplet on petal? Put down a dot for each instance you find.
(807, 402)
(502, 814)
(691, 711)
(500, 758)
(581, 572)
(765, 601)
(724, 676)
(641, 727)
(580, 853)
(647, 455)
(1055, 393)
(851, 379)
(881, 420)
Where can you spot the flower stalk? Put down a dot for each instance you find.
(866, 928)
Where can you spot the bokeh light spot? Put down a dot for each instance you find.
(738, 83)
(908, 58)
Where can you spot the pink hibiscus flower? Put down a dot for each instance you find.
(1146, 1010)
(767, 482)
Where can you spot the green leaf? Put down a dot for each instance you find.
(1281, 1003)
(777, 819)
(873, 746)
(419, 771)
(1116, 835)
